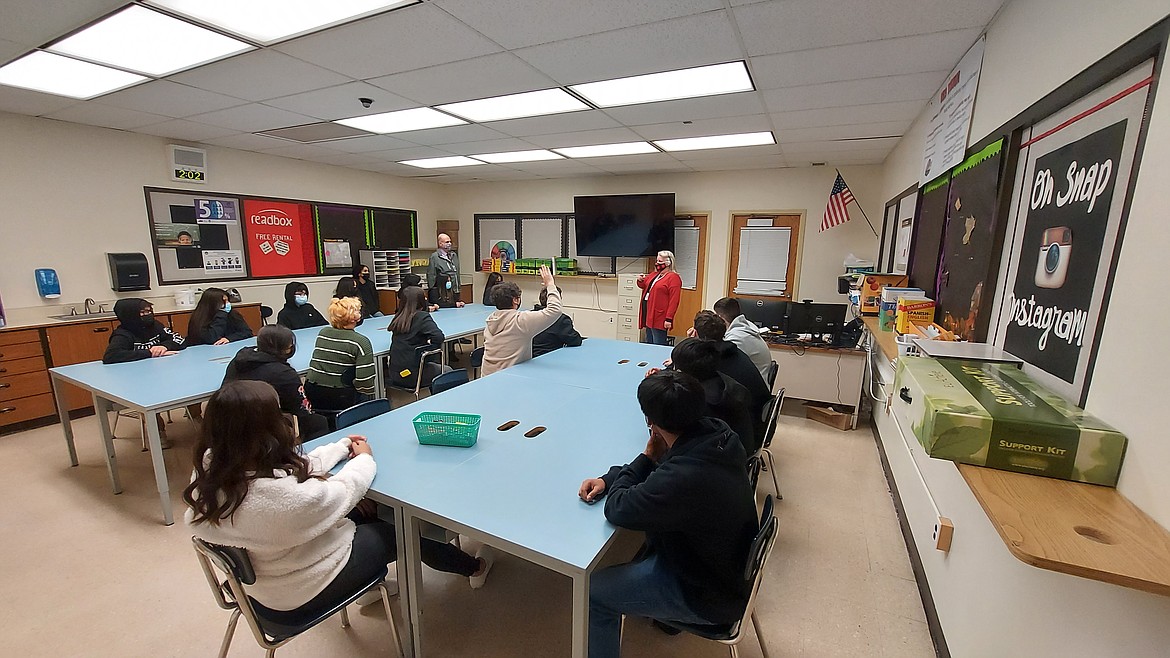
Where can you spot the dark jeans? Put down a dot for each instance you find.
(642, 589)
(655, 336)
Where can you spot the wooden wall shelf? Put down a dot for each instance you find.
(1080, 529)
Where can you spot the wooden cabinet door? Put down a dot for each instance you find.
(78, 343)
(251, 315)
(179, 322)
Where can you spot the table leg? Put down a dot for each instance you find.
(581, 615)
(405, 583)
(413, 569)
(160, 467)
(66, 425)
(101, 408)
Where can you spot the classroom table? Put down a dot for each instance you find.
(515, 493)
(152, 386)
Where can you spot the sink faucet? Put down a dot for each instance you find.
(88, 302)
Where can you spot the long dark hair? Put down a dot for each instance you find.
(413, 301)
(244, 437)
(346, 287)
(209, 304)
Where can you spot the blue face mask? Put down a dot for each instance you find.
(301, 300)
(448, 285)
(227, 308)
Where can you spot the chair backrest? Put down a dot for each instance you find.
(477, 357)
(265, 313)
(758, 554)
(448, 380)
(754, 464)
(362, 411)
(233, 563)
(773, 418)
(773, 369)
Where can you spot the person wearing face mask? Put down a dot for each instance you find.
(298, 313)
(213, 322)
(442, 293)
(444, 261)
(268, 362)
(660, 296)
(366, 291)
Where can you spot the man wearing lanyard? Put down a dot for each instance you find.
(444, 261)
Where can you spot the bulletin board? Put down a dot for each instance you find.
(196, 236)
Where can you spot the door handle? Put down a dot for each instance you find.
(905, 394)
(98, 330)
(5, 385)
(7, 409)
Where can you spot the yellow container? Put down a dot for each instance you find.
(912, 310)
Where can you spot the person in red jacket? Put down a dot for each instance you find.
(660, 295)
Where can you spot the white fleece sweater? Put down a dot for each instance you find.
(507, 335)
(296, 533)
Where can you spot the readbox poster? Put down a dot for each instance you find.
(280, 238)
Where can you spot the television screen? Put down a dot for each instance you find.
(627, 225)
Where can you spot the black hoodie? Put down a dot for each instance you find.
(298, 317)
(132, 340)
(698, 511)
(738, 366)
(254, 365)
(560, 334)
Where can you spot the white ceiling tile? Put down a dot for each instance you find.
(96, 114)
(555, 123)
(490, 146)
(260, 75)
(746, 152)
(841, 146)
(928, 52)
(186, 130)
(778, 27)
(341, 102)
(911, 87)
(883, 129)
(34, 103)
(729, 163)
(169, 99)
(10, 50)
(554, 20)
(675, 44)
(50, 18)
(450, 135)
(644, 168)
(299, 151)
(345, 159)
(246, 142)
(410, 38)
(586, 138)
(252, 118)
(704, 127)
(366, 144)
(413, 153)
(606, 161)
(557, 167)
(852, 114)
(839, 160)
(470, 79)
(689, 109)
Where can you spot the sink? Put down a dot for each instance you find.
(84, 316)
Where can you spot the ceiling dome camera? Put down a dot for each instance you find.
(366, 102)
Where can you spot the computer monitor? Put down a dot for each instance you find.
(812, 318)
(764, 313)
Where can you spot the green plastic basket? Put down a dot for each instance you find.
(437, 428)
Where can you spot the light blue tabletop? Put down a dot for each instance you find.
(596, 364)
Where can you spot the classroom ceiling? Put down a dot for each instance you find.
(836, 81)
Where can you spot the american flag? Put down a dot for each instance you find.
(835, 212)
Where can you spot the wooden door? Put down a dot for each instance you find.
(691, 301)
(764, 220)
(78, 343)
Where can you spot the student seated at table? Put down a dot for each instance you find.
(310, 536)
(268, 362)
(341, 371)
(560, 334)
(689, 492)
(213, 322)
(442, 295)
(493, 278)
(744, 334)
(507, 336)
(414, 331)
(413, 281)
(726, 398)
(298, 313)
(733, 362)
(366, 291)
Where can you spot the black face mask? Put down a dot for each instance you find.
(147, 320)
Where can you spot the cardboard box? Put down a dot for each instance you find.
(828, 416)
(992, 414)
(871, 290)
(912, 310)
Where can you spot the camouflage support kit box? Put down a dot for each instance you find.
(992, 414)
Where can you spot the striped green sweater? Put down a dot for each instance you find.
(338, 350)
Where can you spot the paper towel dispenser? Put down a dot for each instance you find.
(129, 272)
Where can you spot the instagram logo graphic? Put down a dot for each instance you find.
(1055, 252)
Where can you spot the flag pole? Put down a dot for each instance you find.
(871, 228)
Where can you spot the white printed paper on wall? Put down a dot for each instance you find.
(949, 113)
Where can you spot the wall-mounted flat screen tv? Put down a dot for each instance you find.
(628, 225)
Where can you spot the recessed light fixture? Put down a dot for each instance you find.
(518, 156)
(626, 148)
(420, 118)
(515, 106)
(715, 141)
(268, 21)
(685, 83)
(149, 42)
(63, 76)
(436, 163)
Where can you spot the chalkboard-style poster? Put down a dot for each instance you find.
(1069, 203)
(928, 230)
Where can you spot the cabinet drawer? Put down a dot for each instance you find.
(20, 351)
(24, 385)
(20, 410)
(21, 336)
(21, 366)
(629, 304)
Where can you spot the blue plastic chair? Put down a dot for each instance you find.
(362, 411)
(448, 380)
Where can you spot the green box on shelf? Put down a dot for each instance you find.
(992, 414)
(437, 428)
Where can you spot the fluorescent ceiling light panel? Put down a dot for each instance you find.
(146, 41)
(268, 21)
(420, 118)
(514, 106)
(627, 148)
(54, 74)
(715, 142)
(436, 163)
(518, 156)
(671, 85)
